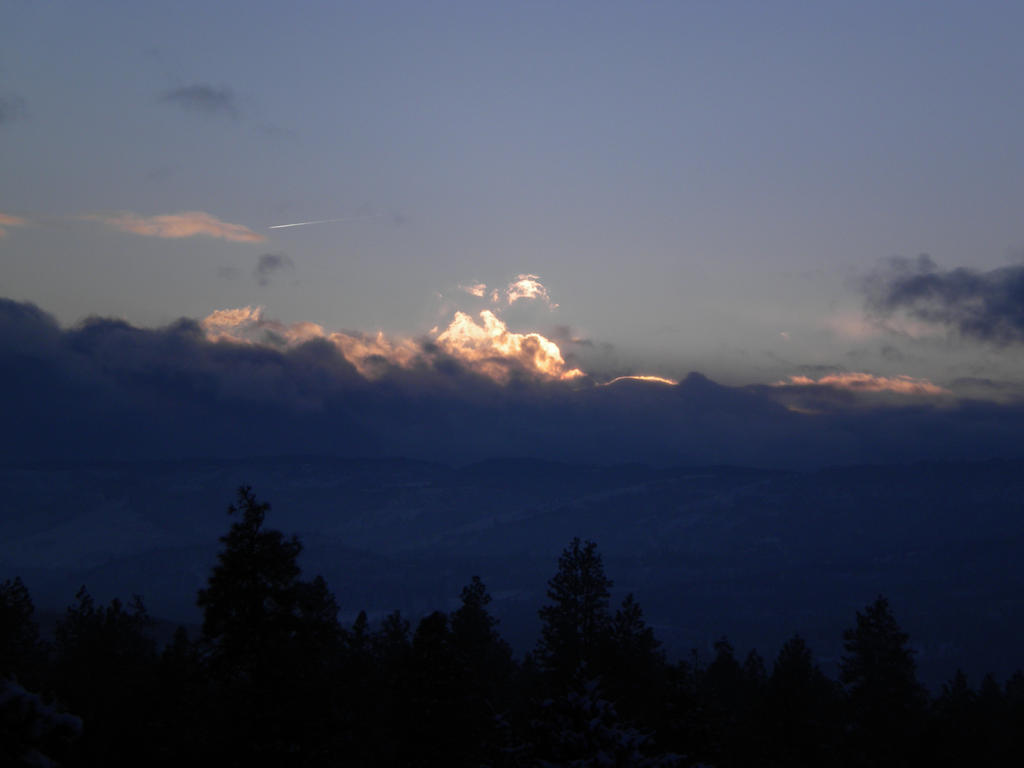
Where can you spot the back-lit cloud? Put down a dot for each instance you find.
(7, 221)
(371, 355)
(643, 377)
(486, 347)
(489, 347)
(528, 287)
(475, 289)
(239, 384)
(178, 225)
(984, 305)
(868, 382)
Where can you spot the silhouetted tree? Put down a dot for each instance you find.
(576, 622)
(1014, 697)
(886, 701)
(635, 668)
(485, 673)
(582, 728)
(180, 731)
(20, 649)
(801, 713)
(33, 731)
(105, 661)
(994, 725)
(953, 736)
(270, 639)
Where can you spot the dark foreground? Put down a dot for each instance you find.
(273, 678)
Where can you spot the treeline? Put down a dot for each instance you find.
(274, 679)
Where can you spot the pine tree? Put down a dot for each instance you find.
(485, 671)
(19, 635)
(802, 716)
(105, 669)
(270, 639)
(635, 675)
(886, 701)
(576, 622)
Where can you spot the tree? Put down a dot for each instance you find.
(31, 728)
(878, 670)
(576, 622)
(269, 638)
(635, 675)
(472, 626)
(19, 635)
(105, 669)
(802, 718)
(485, 671)
(582, 729)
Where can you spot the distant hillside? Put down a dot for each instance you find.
(752, 554)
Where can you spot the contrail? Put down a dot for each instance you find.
(323, 221)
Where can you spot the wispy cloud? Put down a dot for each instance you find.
(983, 305)
(204, 99)
(269, 264)
(7, 220)
(642, 377)
(12, 108)
(178, 225)
(474, 289)
(868, 382)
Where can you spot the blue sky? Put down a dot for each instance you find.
(698, 186)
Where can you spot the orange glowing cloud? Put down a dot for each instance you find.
(247, 325)
(474, 289)
(867, 382)
(487, 347)
(528, 287)
(643, 377)
(178, 225)
(6, 220)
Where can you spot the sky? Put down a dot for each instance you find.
(820, 194)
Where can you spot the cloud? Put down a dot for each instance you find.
(7, 220)
(851, 326)
(178, 225)
(983, 305)
(487, 348)
(528, 287)
(643, 377)
(990, 390)
(269, 264)
(239, 384)
(204, 99)
(12, 108)
(491, 348)
(867, 382)
(474, 289)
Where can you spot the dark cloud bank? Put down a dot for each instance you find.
(981, 305)
(106, 389)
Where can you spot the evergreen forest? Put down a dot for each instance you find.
(273, 678)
